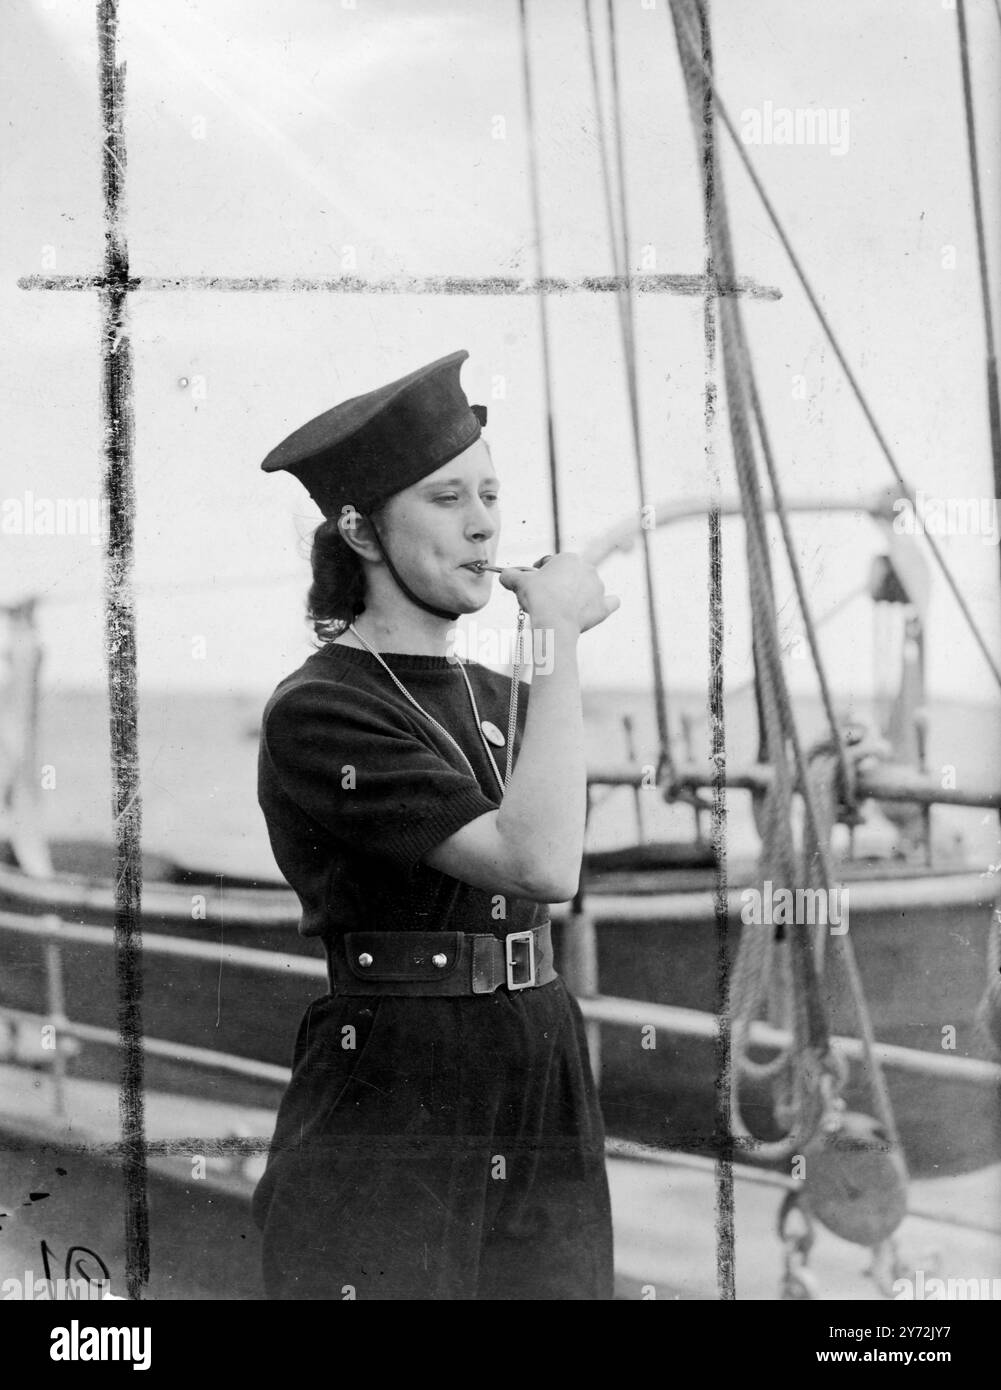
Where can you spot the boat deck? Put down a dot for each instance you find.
(60, 1184)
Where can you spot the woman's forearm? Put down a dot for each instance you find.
(541, 819)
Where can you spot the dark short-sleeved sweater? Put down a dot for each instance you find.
(356, 786)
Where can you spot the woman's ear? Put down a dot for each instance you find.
(356, 531)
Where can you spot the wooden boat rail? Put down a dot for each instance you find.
(900, 785)
(279, 907)
(597, 1009)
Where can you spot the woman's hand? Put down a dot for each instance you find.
(564, 590)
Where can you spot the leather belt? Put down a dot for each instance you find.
(440, 963)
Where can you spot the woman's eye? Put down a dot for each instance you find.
(454, 497)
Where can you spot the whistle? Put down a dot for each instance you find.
(498, 569)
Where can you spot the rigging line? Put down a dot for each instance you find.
(606, 177)
(620, 261)
(751, 386)
(606, 173)
(625, 294)
(829, 333)
(629, 334)
(776, 690)
(836, 608)
(993, 402)
(971, 142)
(618, 242)
(810, 1029)
(991, 365)
(773, 685)
(533, 169)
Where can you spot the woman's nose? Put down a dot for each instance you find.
(482, 522)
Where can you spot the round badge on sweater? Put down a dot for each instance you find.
(492, 733)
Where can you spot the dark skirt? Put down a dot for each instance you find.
(438, 1149)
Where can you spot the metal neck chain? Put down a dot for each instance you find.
(512, 708)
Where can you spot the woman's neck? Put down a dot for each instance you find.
(415, 633)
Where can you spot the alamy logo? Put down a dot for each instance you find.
(771, 906)
(32, 1290)
(76, 1343)
(947, 516)
(30, 515)
(801, 125)
(950, 1290)
(495, 646)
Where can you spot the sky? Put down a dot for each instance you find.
(311, 138)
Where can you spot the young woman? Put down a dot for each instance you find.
(440, 1137)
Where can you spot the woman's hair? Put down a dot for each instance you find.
(337, 593)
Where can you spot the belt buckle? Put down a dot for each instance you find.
(511, 965)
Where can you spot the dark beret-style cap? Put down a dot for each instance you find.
(372, 446)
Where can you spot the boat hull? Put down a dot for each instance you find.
(920, 942)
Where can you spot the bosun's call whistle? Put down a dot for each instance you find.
(499, 569)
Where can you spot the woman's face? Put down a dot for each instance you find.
(440, 525)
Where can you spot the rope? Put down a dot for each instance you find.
(993, 404)
(989, 1014)
(686, 33)
(816, 842)
(804, 1064)
(800, 1066)
(624, 300)
(817, 856)
(813, 1071)
(836, 608)
(971, 147)
(845, 774)
(547, 375)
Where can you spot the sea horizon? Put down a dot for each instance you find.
(198, 770)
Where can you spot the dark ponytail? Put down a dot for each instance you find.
(337, 593)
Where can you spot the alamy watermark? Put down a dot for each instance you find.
(30, 515)
(946, 1290)
(774, 907)
(800, 125)
(497, 646)
(947, 516)
(32, 1290)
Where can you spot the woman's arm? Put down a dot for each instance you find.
(531, 847)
